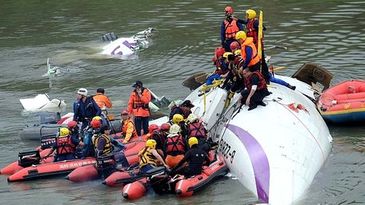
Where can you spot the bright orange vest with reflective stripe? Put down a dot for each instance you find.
(231, 28)
(255, 58)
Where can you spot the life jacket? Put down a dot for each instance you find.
(65, 145)
(255, 57)
(197, 129)
(251, 31)
(136, 106)
(231, 28)
(108, 148)
(175, 145)
(102, 101)
(261, 85)
(125, 128)
(146, 157)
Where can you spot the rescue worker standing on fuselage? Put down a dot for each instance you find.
(248, 52)
(230, 26)
(138, 107)
(128, 129)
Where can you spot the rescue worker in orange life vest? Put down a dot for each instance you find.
(230, 26)
(102, 100)
(175, 146)
(128, 129)
(65, 146)
(256, 89)
(196, 158)
(138, 107)
(149, 158)
(248, 52)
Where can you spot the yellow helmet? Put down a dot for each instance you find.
(191, 118)
(250, 14)
(192, 141)
(151, 143)
(237, 52)
(226, 54)
(64, 131)
(174, 129)
(96, 118)
(177, 118)
(241, 35)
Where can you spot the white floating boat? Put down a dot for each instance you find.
(276, 150)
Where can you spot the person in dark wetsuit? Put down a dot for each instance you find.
(196, 158)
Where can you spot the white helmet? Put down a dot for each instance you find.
(191, 118)
(82, 91)
(174, 129)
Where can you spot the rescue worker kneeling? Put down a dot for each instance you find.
(129, 131)
(256, 89)
(65, 146)
(149, 158)
(175, 146)
(105, 145)
(196, 158)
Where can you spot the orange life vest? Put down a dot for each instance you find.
(197, 129)
(138, 106)
(65, 145)
(175, 145)
(125, 128)
(231, 28)
(255, 57)
(102, 101)
(262, 82)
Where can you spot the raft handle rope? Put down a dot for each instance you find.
(206, 88)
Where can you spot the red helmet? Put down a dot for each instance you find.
(71, 124)
(234, 46)
(95, 123)
(229, 10)
(219, 52)
(152, 128)
(124, 112)
(165, 127)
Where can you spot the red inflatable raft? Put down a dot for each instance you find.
(343, 103)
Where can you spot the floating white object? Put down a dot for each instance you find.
(41, 102)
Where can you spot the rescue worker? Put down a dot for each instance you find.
(85, 108)
(149, 158)
(65, 146)
(105, 145)
(175, 146)
(102, 100)
(179, 120)
(160, 137)
(235, 46)
(196, 158)
(138, 107)
(248, 52)
(128, 129)
(252, 30)
(230, 26)
(88, 133)
(256, 89)
(196, 128)
(184, 109)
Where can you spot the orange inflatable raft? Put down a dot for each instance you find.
(344, 102)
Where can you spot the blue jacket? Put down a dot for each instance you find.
(85, 110)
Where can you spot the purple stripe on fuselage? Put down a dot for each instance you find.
(259, 161)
